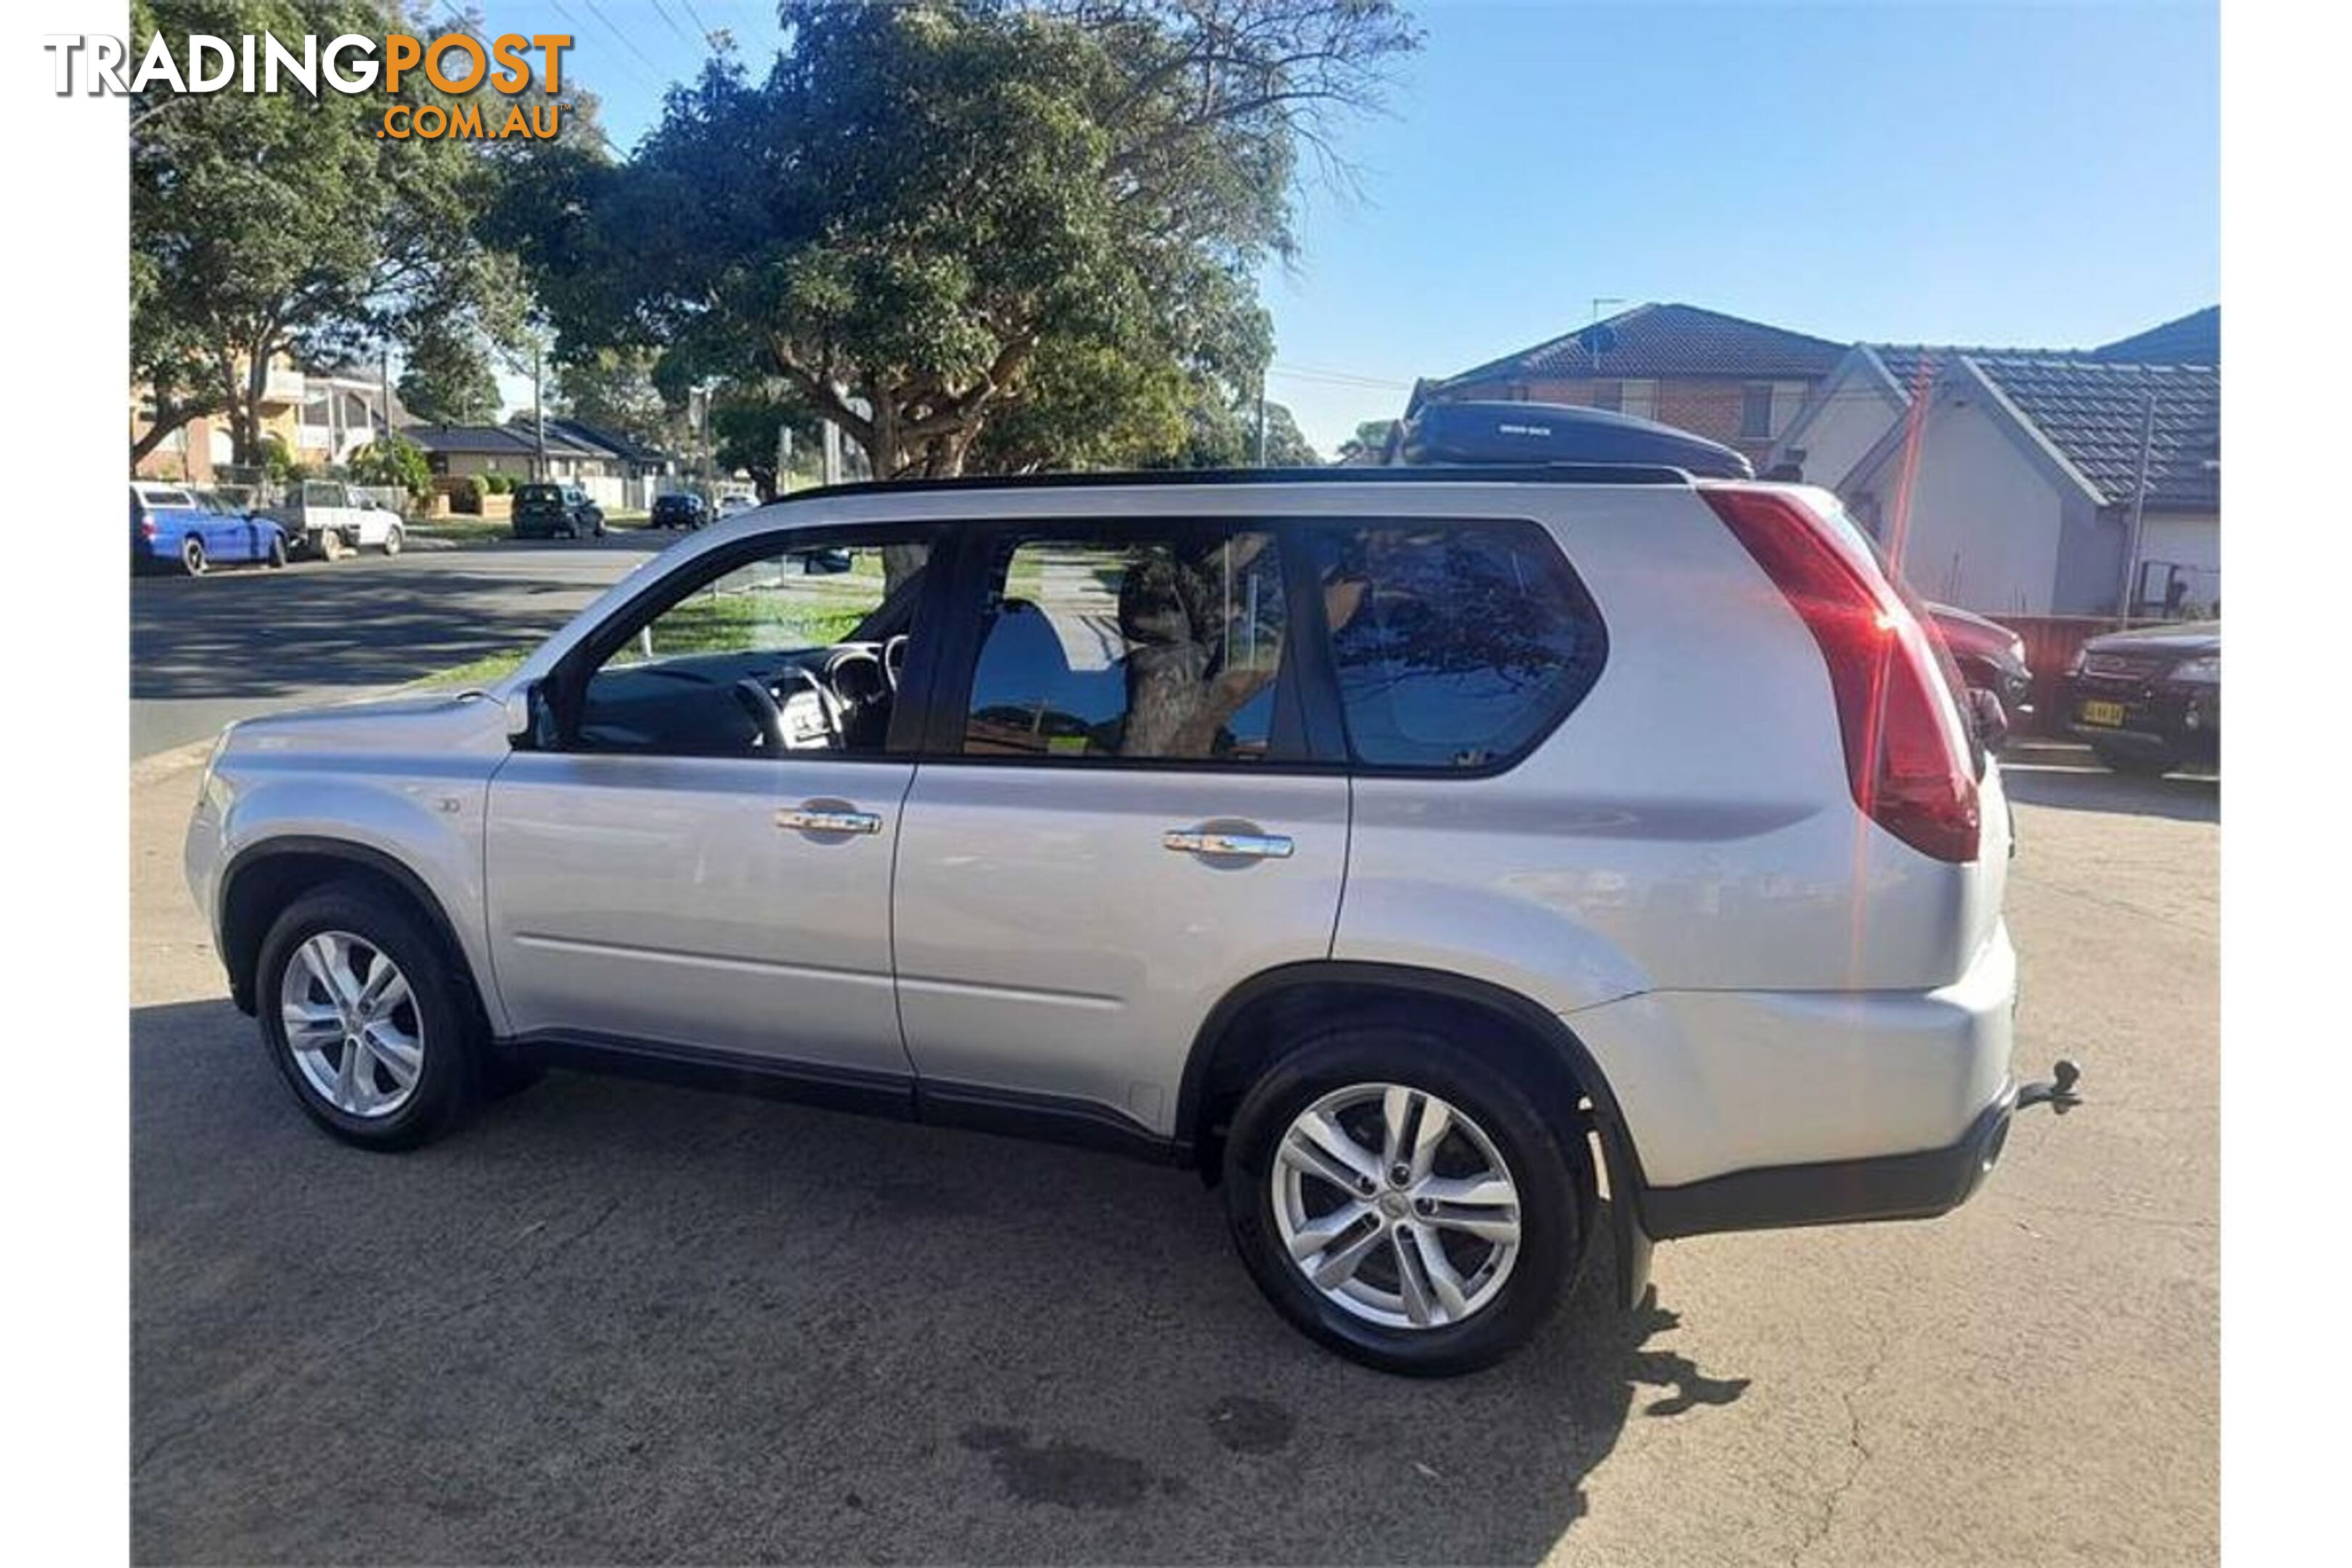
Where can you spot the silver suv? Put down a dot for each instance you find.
(1421, 853)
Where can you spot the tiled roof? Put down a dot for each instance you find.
(2095, 413)
(494, 440)
(2193, 339)
(1666, 340)
(596, 437)
(1904, 362)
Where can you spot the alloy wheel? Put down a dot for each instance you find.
(1395, 1206)
(351, 1025)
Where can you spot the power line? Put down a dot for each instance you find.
(674, 25)
(626, 42)
(465, 25)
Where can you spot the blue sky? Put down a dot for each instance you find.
(2033, 174)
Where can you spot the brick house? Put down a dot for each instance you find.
(2012, 473)
(1734, 381)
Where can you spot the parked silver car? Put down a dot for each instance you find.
(1415, 852)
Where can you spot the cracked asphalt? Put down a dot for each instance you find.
(611, 1322)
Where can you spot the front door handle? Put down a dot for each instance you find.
(827, 819)
(1209, 841)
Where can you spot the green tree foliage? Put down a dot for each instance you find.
(744, 420)
(281, 224)
(613, 389)
(449, 379)
(394, 460)
(936, 217)
(1370, 439)
(1225, 435)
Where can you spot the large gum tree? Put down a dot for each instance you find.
(929, 218)
(268, 224)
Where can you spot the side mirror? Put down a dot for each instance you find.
(531, 719)
(1991, 719)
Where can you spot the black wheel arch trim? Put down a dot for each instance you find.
(1627, 1186)
(365, 856)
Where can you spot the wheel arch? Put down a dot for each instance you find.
(262, 879)
(1247, 1028)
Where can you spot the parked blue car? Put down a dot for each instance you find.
(181, 528)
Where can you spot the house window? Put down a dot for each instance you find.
(1756, 411)
(1609, 394)
(1639, 398)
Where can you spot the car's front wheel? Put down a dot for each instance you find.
(1401, 1201)
(393, 540)
(366, 1016)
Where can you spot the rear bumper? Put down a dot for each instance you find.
(1917, 1186)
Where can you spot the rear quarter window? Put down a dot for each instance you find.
(1457, 646)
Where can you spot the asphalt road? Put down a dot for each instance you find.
(247, 640)
(608, 1322)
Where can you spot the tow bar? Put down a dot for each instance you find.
(2058, 1092)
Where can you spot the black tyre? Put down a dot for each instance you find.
(2134, 763)
(1416, 1254)
(192, 556)
(368, 1017)
(392, 541)
(277, 550)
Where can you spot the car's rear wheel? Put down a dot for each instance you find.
(1403, 1202)
(331, 545)
(192, 556)
(393, 540)
(2137, 764)
(366, 1016)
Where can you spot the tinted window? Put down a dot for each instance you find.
(537, 495)
(1457, 645)
(1147, 646)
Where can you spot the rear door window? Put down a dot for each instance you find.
(1144, 644)
(1457, 645)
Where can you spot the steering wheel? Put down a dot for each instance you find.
(828, 706)
(893, 660)
(760, 704)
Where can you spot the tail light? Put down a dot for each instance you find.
(1906, 747)
(146, 528)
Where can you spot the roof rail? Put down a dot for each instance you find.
(1485, 473)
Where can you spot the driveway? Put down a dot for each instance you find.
(614, 1321)
(206, 650)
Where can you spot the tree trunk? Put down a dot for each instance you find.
(166, 422)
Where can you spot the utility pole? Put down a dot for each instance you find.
(1260, 416)
(383, 390)
(538, 410)
(2139, 506)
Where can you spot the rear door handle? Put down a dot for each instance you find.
(1201, 841)
(821, 819)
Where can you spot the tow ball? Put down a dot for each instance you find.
(2058, 1092)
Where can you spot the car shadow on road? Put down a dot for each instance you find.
(2184, 797)
(358, 625)
(613, 1322)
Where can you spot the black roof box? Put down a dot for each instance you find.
(1524, 433)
